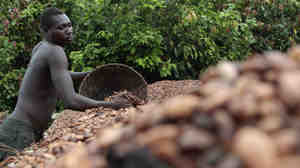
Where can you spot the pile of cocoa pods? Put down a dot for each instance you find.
(244, 115)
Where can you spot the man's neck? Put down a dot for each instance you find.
(49, 41)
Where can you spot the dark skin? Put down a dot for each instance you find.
(47, 79)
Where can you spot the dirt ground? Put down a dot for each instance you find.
(73, 128)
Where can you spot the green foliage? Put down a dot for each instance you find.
(174, 39)
(9, 79)
(162, 39)
(277, 23)
(9, 86)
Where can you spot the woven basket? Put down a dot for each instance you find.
(110, 78)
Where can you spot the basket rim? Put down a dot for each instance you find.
(111, 65)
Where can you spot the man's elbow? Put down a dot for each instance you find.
(70, 103)
(73, 106)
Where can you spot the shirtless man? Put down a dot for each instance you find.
(46, 80)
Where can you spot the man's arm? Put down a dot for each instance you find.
(63, 83)
(78, 75)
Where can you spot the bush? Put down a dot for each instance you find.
(277, 23)
(174, 39)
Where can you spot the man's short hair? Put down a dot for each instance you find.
(46, 20)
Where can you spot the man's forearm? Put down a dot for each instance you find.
(81, 103)
(78, 75)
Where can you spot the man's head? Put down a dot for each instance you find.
(47, 18)
(56, 26)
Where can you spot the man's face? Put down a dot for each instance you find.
(61, 31)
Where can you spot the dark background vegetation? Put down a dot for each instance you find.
(162, 39)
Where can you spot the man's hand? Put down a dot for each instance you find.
(120, 103)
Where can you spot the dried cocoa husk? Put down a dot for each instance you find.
(279, 61)
(156, 134)
(216, 100)
(287, 141)
(262, 91)
(244, 107)
(196, 139)
(289, 162)
(271, 124)
(243, 84)
(255, 148)
(151, 115)
(213, 87)
(271, 107)
(132, 115)
(256, 64)
(228, 71)
(230, 161)
(61, 147)
(225, 126)
(270, 76)
(210, 74)
(212, 157)
(107, 137)
(204, 121)
(165, 149)
(79, 158)
(180, 107)
(289, 87)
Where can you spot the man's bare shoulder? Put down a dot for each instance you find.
(49, 52)
(53, 49)
(55, 56)
(44, 50)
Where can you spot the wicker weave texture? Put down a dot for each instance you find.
(110, 78)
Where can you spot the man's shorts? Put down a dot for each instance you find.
(15, 135)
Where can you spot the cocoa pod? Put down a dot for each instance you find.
(158, 133)
(228, 71)
(255, 148)
(216, 100)
(289, 87)
(225, 126)
(244, 107)
(271, 124)
(256, 64)
(180, 107)
(289, 162)
(279, 61)
(196, 139)
(107, 137)
(165, 149)
(79, 158)
(231, 161)
(287, 141)
(271, 107)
